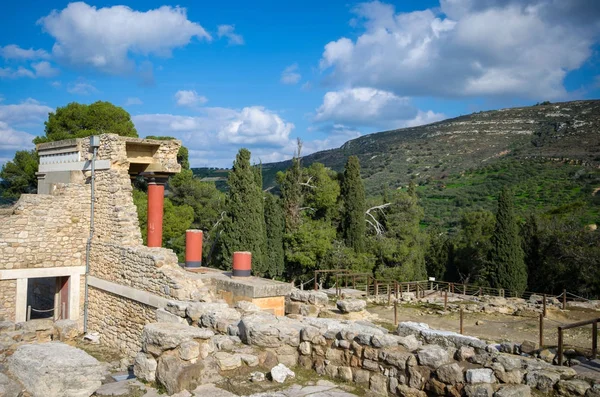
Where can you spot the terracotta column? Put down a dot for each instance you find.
(242, 264)
(193, 248)
(156, 199)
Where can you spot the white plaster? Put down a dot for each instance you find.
(74, 166)
(42, 272)
(128, 292)
(21, 301)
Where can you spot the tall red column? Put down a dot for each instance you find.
(156, 199)
(193, 248)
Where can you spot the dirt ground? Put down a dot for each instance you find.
(498, 327)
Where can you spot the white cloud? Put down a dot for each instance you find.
(370, 107)
(228, 31)
(469, 48)
(81, 88)
(44, 69)
(14, 52)
(27, 112)
(11, 139)
(104, 38)
(56, 84)
(133, 101)
(290, 75)
(216, 134)
(189, 98)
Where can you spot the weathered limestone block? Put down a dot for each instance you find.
(228, 362)
(163, 316)
(351, 305)
(384, 340)
(406, 391)
(220, 319)
(158, 337)
(265, 330)
(543, 380)
(9, 387)
(144, 367)
(177, 308)
(528, 347)
(450, 373)
(361, 376)
(378, 384)
(312, 297)
(465, 353)
(572, 387)
(189, 350)
(280, 373)
(479, 390)
(195, 310)
(515, 376)
(177, 375)
(56, 370)
(394, 357)
(433, 356)
(438, 337)
(480, 375)
(513, 391)
(66, 329)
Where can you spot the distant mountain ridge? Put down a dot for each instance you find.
(567, 131)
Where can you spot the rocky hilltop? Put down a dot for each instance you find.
(568, 131)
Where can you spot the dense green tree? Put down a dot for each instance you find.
(291, 194)
(244, 223)
(307, 247)
(506, 266)
(275, 228)
(469, 249)
(18, 175)
(354, 207)
(78, 120)
(322, 191)
(437, 254)
(533, 255)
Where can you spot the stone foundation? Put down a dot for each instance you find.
(8, 298)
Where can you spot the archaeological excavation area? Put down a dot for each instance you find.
(87, 309)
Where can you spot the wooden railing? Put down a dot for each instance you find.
(593, 322)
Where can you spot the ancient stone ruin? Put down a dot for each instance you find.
(185, 330)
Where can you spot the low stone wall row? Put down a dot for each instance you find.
(203, 340)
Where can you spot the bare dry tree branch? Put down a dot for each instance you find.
(379, 229)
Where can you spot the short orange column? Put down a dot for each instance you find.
(242, 264)
(156, 199)
(193, 248)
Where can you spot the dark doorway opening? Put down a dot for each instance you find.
(41, 297)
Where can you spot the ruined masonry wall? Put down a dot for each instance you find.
(46, 231)
(8, 292)
(119, 321)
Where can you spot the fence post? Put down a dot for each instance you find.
(354, 282)
(389, 294)
(396, 313)
(480, 292)
(316, 284)
(445, 300)
(376, 290)
(544, 306)
(560, 346)
(464, 290)
(541, 330)
(461, 322)
(564, 299)
(28, 312)
(431, 285)
(367, 287)
(401, 290)
(594, 339)
(396, 289)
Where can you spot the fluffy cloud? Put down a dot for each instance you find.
(28, 112)
(469, 48)
(215, 135)
(12, 140)
(189, 98)
(133, 101)
(228, 31)
(40, 69)
(370, 107)
(14, 52)
(290, 75)
(44, 69)
(83, 39)
(81, 88)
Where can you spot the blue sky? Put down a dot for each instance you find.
(231, 74)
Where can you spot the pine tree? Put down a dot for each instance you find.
(506, 266)
(275, 227)
(353, 213)
(291, 193)
(244, 224)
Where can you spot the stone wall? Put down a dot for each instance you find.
(46, 231)
(118, 320)
(351, 351)
(8, 298)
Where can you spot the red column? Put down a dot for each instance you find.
(193, 248)
(242, 264)
(156, 198)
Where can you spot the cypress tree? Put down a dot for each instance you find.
(244, 225)
(506, 266)
(353, 213)
(275, 227)
(291, 194)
